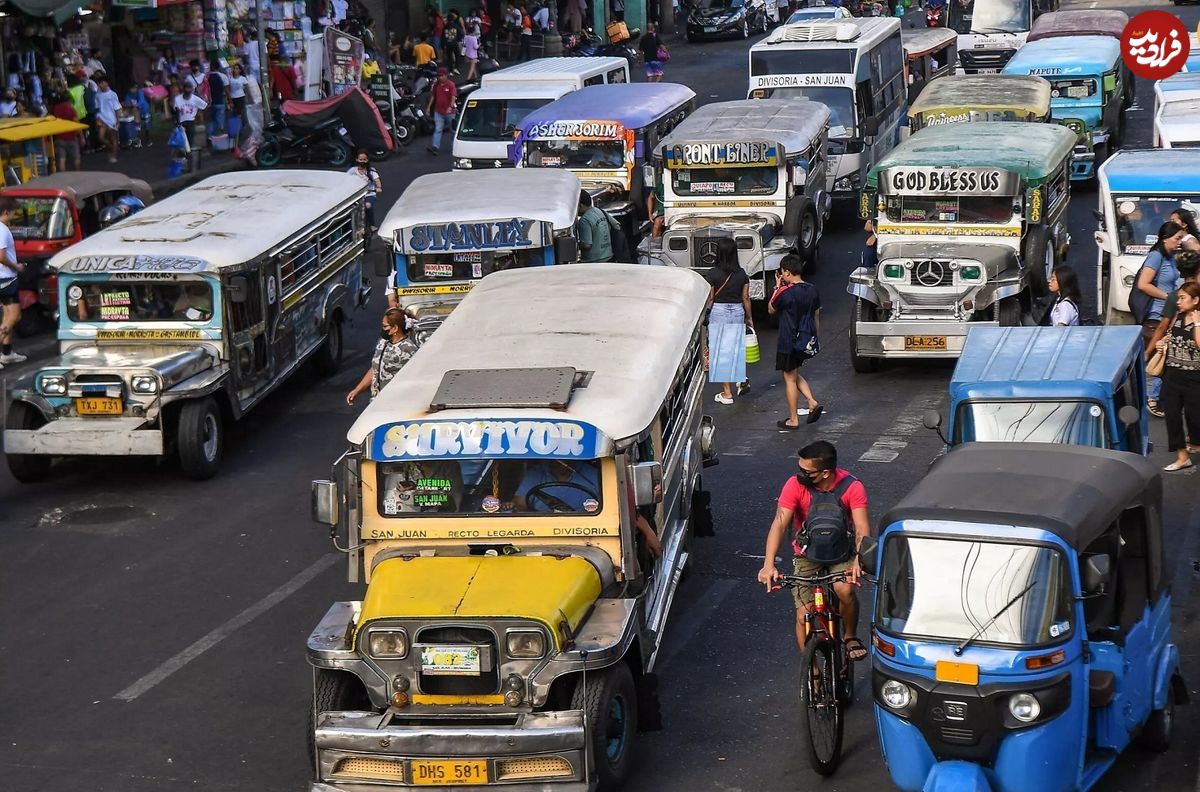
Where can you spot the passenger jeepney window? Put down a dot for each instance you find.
(759, 180)
(489, 487)
(949, 209)
(138, 301)
(616, 76)
(248, 313)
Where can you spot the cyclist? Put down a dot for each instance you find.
(819, 473)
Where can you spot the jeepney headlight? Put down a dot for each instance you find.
(893, 273)
(387, 644)
(52, 384)
(525, 644)
(144, 383)
(970, 273)
(896, 695)
(465, 163)
(1024, 707)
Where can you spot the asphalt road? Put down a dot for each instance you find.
(152, 629)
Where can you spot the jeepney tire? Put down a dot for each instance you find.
(333, 691)
(1035, 262)
(1008, 312)
(327, 360)
(808, 253)
(703, 525)
(200, 435)
(26, 468)
(602, 695)
(1156, 734)
(863, 311)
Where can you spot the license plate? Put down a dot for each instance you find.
(987, 71)
(758, 289)
(925, 342)
(450, 660)
(448, 772)
(710, 30)
(99, 405)
(962, 673)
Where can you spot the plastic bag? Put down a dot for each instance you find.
(179, 139)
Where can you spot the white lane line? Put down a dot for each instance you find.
(908, 422)
(225, 630)
(697, 614)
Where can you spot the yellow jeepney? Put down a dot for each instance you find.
(961, 98)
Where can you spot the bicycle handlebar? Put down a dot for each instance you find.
(795, 581)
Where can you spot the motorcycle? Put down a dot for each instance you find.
(761, 16)
(586, 44)
(326, 142)
(934, 13)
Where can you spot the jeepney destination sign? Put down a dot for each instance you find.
(576, 130)
(948, 181)
(802, 80)
(524, 439)
(735, 154)
(106, 264)
(516, 232)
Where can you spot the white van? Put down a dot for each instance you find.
(505, 97)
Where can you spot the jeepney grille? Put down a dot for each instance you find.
(931, 273)
(985, 59)
(530, 767)
(486, 681)
(372, 768)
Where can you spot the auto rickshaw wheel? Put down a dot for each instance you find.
(609, 701)
(333, 691)
(1156, 734)
(201, 438)
(26, 468)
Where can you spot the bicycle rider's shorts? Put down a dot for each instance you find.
(803, 595)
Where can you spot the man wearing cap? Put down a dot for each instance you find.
(442, 100)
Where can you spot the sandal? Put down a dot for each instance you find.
(855, 649)
(815, 414)
(787, 426)
(1154, 409)
(1175, 467)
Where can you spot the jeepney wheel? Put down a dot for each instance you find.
(333, 691)
(808, 240)
(863, 311)
(26, 468)
(328, 357)
(1156, 734)
(1008, 312)
(201, 439)
(1039, 260)
(609, 700)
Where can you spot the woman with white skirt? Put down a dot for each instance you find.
(728, 320)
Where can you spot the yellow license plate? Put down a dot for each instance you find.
(962, 673)
(925, 343)
(99, 405)
(448, 772)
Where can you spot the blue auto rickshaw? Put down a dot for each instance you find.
(1022, 629)
(1077, 385)
(1087, 92)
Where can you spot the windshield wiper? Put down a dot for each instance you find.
(958, 650)
(988, 30)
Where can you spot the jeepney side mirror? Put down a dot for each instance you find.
(868, 554)
(647, 483)
(237, 289)
(1129, 415)
(566, 250)
(325, 502)
(1102, 240)
(870, 127)
(1096, 213)
(383, 266)
(932, 419)
(1096, 571)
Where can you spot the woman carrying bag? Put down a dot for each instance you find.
(728, 319)
(1180, 362)
(1153, 282)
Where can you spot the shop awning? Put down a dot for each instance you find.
(15, 130)
(61, 10)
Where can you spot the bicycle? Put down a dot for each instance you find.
(826, 675)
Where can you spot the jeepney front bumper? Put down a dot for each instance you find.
(914, 339)
(116, 436)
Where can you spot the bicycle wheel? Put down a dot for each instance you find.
(820, 711)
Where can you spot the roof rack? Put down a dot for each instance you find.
(547, 388)
(816, 31)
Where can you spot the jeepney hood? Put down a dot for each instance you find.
(173, 363)
(722, 222)
(1089, 114)
(547, 589)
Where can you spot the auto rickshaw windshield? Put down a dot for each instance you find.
(42, 218)
(484, 487)
(949, 589)
(1073, 423)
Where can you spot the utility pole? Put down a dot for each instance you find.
(264, 68)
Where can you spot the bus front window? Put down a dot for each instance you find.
(989, 16)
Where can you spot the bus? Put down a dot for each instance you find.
(855, 67)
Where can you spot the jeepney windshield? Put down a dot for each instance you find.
(140, 301)
(1140, 217)
(1070, 422)
(756, 180)
(489, 487)
(576, 154)
(495, 119)
(1075, 91)
(470, 265)
(949, 209)
(42, 218)
(840, 102)
(949, 589)
(989, 16)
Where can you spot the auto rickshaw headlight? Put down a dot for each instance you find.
(1025, 707)
(525, 644)
(896, 695)
(389, 644)
(52, 384)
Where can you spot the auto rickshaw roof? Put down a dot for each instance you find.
(1074, 492)
(633, 105)
(549, 195)
(1083, 22)
(16, 130)
(1032, 151)
(1152, 172)
(920, 41)
(792, 123)
(629, 325)
(1048, 355)
(1025, 92)
(1066, 57)
(81, 185)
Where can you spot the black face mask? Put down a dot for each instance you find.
(806, 478)
(385, 335)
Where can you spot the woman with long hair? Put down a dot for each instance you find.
(1064, 285)
(392, 351)
(1156, 279)
(1187, 219)
(728, 319)
(1181, 377)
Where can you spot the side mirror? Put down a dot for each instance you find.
(383, 266)
(566, 250)
(648, 175)
(868, 554)
(237, 289)
(1096, 571)
(1129, 415)
(325, 502)
(932, 419)
(647, 483)
(870, 127)
(1096, 213)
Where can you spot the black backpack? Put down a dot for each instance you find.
(827, 537)
(620, 243)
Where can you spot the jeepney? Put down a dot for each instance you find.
(970, 220)
(929, 53)
(1087, 22)
(604, 135)
(1138, 191)
(1175, 117)
(1087, 92)
(963, 98)
(449, 230)
(753, 170)
(188, 314)
(513, 615)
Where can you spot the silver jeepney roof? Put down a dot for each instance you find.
(792, 123)
(224, 221)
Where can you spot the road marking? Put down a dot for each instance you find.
(225, 630)
(908, 422)
(698, 613)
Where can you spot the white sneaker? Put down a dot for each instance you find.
(721, 398)
(13, 357)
